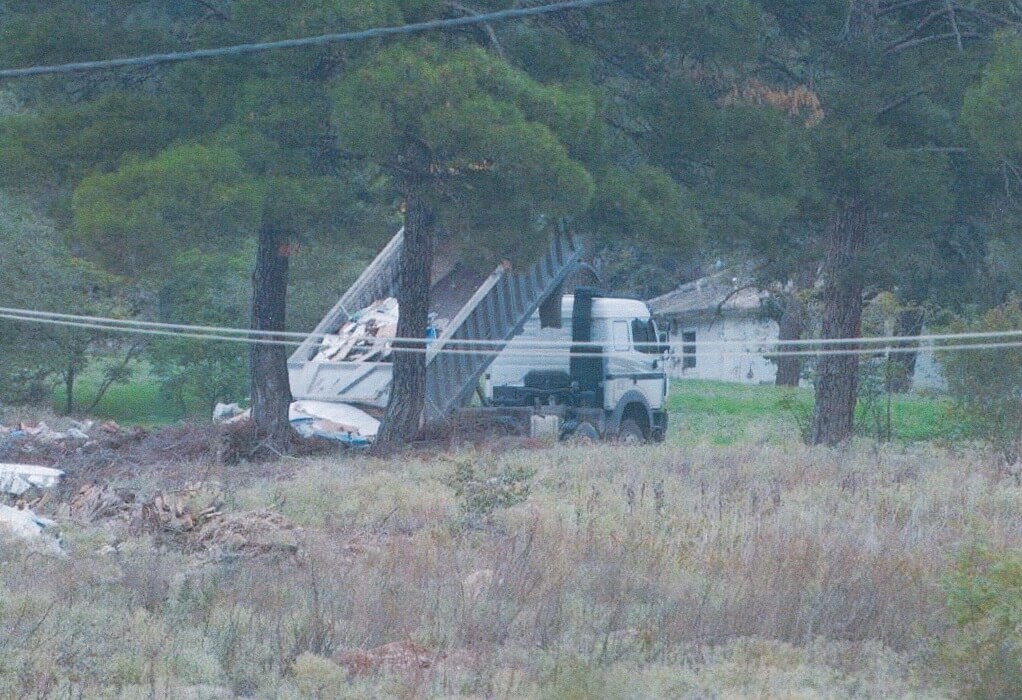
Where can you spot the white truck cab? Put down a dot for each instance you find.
(602, 371)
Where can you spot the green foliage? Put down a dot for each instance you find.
(724, 413)
(36, 33)
(64, 144)
(986, 385)
(140, 400)
(647, 206)
(209, 290)
(982, 652)
(135, 219)
(494, 145)
(993, 109)
(549, 57)
(39, 273)
(745, 206)
(481, 494)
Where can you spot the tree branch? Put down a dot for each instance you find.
(899, 6)
(923, 23)
(115, 374)
(899, 47)
(900, 101)
(1007, 167)
(720, 307)
(987, 15)
(486, 26)
(954, 24)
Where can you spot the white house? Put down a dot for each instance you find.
(703, 314)
(712, 309)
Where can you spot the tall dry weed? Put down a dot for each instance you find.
(683, 570)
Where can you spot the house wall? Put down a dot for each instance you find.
(927, 375)
(724, 364)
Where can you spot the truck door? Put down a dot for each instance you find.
(631, 365)
(620, 363)
(641, 367)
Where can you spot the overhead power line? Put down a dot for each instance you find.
(110, 323)
(521, 348)
(320, 40)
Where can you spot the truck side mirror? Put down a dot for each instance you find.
(665, 344)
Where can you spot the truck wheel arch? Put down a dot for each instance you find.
(635, 406)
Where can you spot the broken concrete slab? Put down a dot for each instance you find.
(16, 479)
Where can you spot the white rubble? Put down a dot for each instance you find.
(334, 417)
(366, 336)
(223, 412)
(24, 524)
(16, 479)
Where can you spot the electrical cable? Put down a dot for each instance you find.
(320, 40)
(422, 345)
(102, 321)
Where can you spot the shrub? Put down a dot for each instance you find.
(983, 651)
(482, 495)
(986, 386)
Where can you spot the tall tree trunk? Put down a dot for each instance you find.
(271, 389)
(790, 326)
(408, 387)
(837, 375)
(70, 374)
(903, 364)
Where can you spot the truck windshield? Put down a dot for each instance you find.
(644, 336)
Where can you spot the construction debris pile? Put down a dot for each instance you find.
(365, 337)
(44, 433)
(196, 525)
(24, 481)
(38, 500)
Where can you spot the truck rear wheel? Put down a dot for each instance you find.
(585, 433)
(630, 433)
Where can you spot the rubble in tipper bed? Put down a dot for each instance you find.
(365, 337)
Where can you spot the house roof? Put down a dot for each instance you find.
(721, 292)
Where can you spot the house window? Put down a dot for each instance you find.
(688, 349)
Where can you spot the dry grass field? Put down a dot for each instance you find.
(514, 572)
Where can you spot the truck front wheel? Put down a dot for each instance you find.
(630, 433)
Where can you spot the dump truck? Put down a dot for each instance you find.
(602, 374)
(600, 370)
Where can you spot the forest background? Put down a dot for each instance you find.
(843, 150)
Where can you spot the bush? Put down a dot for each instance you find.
(481, 495)
(986, 386)
(983, 651)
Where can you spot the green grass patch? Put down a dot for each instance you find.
(724, 413)
(914, 418)
(137, 402)
(701, 411)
